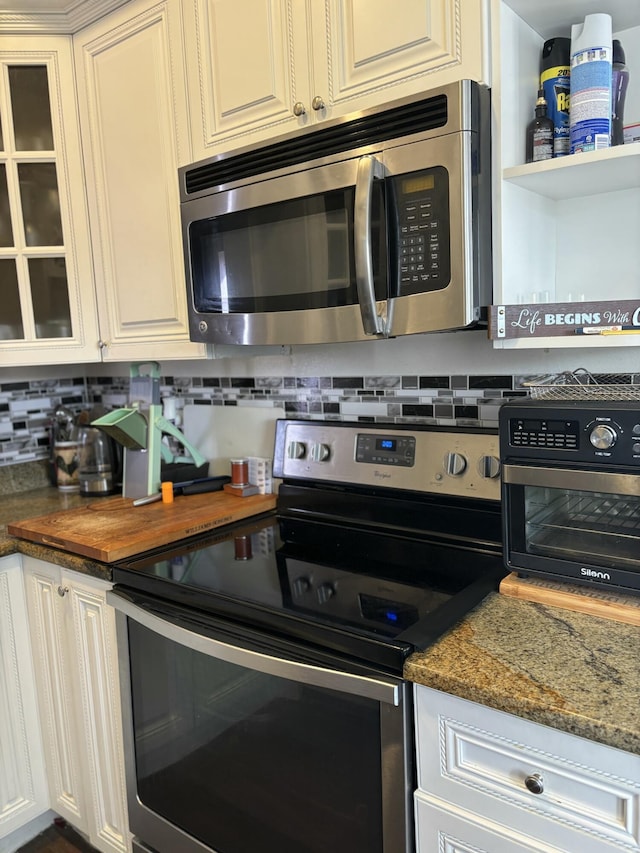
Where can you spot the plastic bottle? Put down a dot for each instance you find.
(619, 83)
(540, 133)
(591, 55)
(555, 72)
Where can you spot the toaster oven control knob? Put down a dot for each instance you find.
(320, 452)
(455, 464)
(603, 437)
(324, 592)
(296, 450)
(489, 467)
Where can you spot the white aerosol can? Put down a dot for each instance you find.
(591, 59)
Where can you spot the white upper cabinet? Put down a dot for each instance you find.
(135, 130)
(565, 230)
(263, 67)
(48, 309)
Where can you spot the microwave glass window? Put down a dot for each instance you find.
(286, 256)
(595, 528)
(242, 760)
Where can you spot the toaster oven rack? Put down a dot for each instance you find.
(582, 527)
(580, 384)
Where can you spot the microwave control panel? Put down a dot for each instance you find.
(422, 205)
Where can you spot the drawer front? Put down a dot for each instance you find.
(441, 828)
(545, 782)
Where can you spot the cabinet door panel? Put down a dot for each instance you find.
(373, 46)
(56, 694)
(133, 110)
(252, 67)
(23, 788)
(46, 273)
(96, 656)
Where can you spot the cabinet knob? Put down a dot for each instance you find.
(534, 783)
(299, 108)
(317, 103)
(103, 344)
(62, 591)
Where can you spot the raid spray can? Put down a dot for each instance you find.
(555, 69)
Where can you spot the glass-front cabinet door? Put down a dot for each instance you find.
(48, 312)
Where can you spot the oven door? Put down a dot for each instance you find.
(236, 743)
(577, 523)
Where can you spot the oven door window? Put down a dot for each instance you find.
(244, 761)
(286, 256)
(594, 528)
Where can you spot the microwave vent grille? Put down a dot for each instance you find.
(428, 114)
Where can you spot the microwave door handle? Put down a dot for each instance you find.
(373, 322)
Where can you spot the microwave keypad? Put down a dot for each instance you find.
(423, 245)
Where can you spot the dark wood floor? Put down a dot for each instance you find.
(59, 838)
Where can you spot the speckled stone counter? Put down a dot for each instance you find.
(577, 673)
(41, 501)
(573, 672)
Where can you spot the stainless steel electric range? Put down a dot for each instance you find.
(261, 665)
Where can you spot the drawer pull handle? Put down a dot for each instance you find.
(534, 783)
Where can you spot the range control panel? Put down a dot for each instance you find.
(421, 458)
(572, 431)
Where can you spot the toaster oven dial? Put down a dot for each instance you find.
(603, 437)
(455, 464)
(320, 452)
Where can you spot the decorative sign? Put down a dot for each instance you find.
(555, 319)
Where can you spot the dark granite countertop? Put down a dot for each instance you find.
(567, 670)
(576, 673)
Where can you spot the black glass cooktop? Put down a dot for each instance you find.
(366, 594)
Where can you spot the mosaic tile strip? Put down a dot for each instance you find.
(26, 408)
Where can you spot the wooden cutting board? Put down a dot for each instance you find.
(110, 529)
(618, 606)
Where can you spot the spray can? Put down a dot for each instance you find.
(591, 56)
(555, 69)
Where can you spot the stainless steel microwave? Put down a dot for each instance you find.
(374, 225)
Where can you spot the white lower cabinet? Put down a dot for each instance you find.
(75, 660)
(23, 786)
(490, 781)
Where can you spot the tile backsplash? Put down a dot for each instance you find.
(26, 407)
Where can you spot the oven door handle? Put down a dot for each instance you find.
(566, 478)
(378, 689)
(374, 320)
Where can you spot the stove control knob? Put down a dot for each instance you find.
(489, 467)
(603, 437)
(300, 586)
(320, 452)
(296, 450)
(455, 464)
(324, 592)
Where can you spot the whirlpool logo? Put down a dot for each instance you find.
(382, 475)
(589, 573)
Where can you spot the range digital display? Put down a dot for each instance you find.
(388, 444)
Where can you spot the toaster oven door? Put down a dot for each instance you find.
(573, 523)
